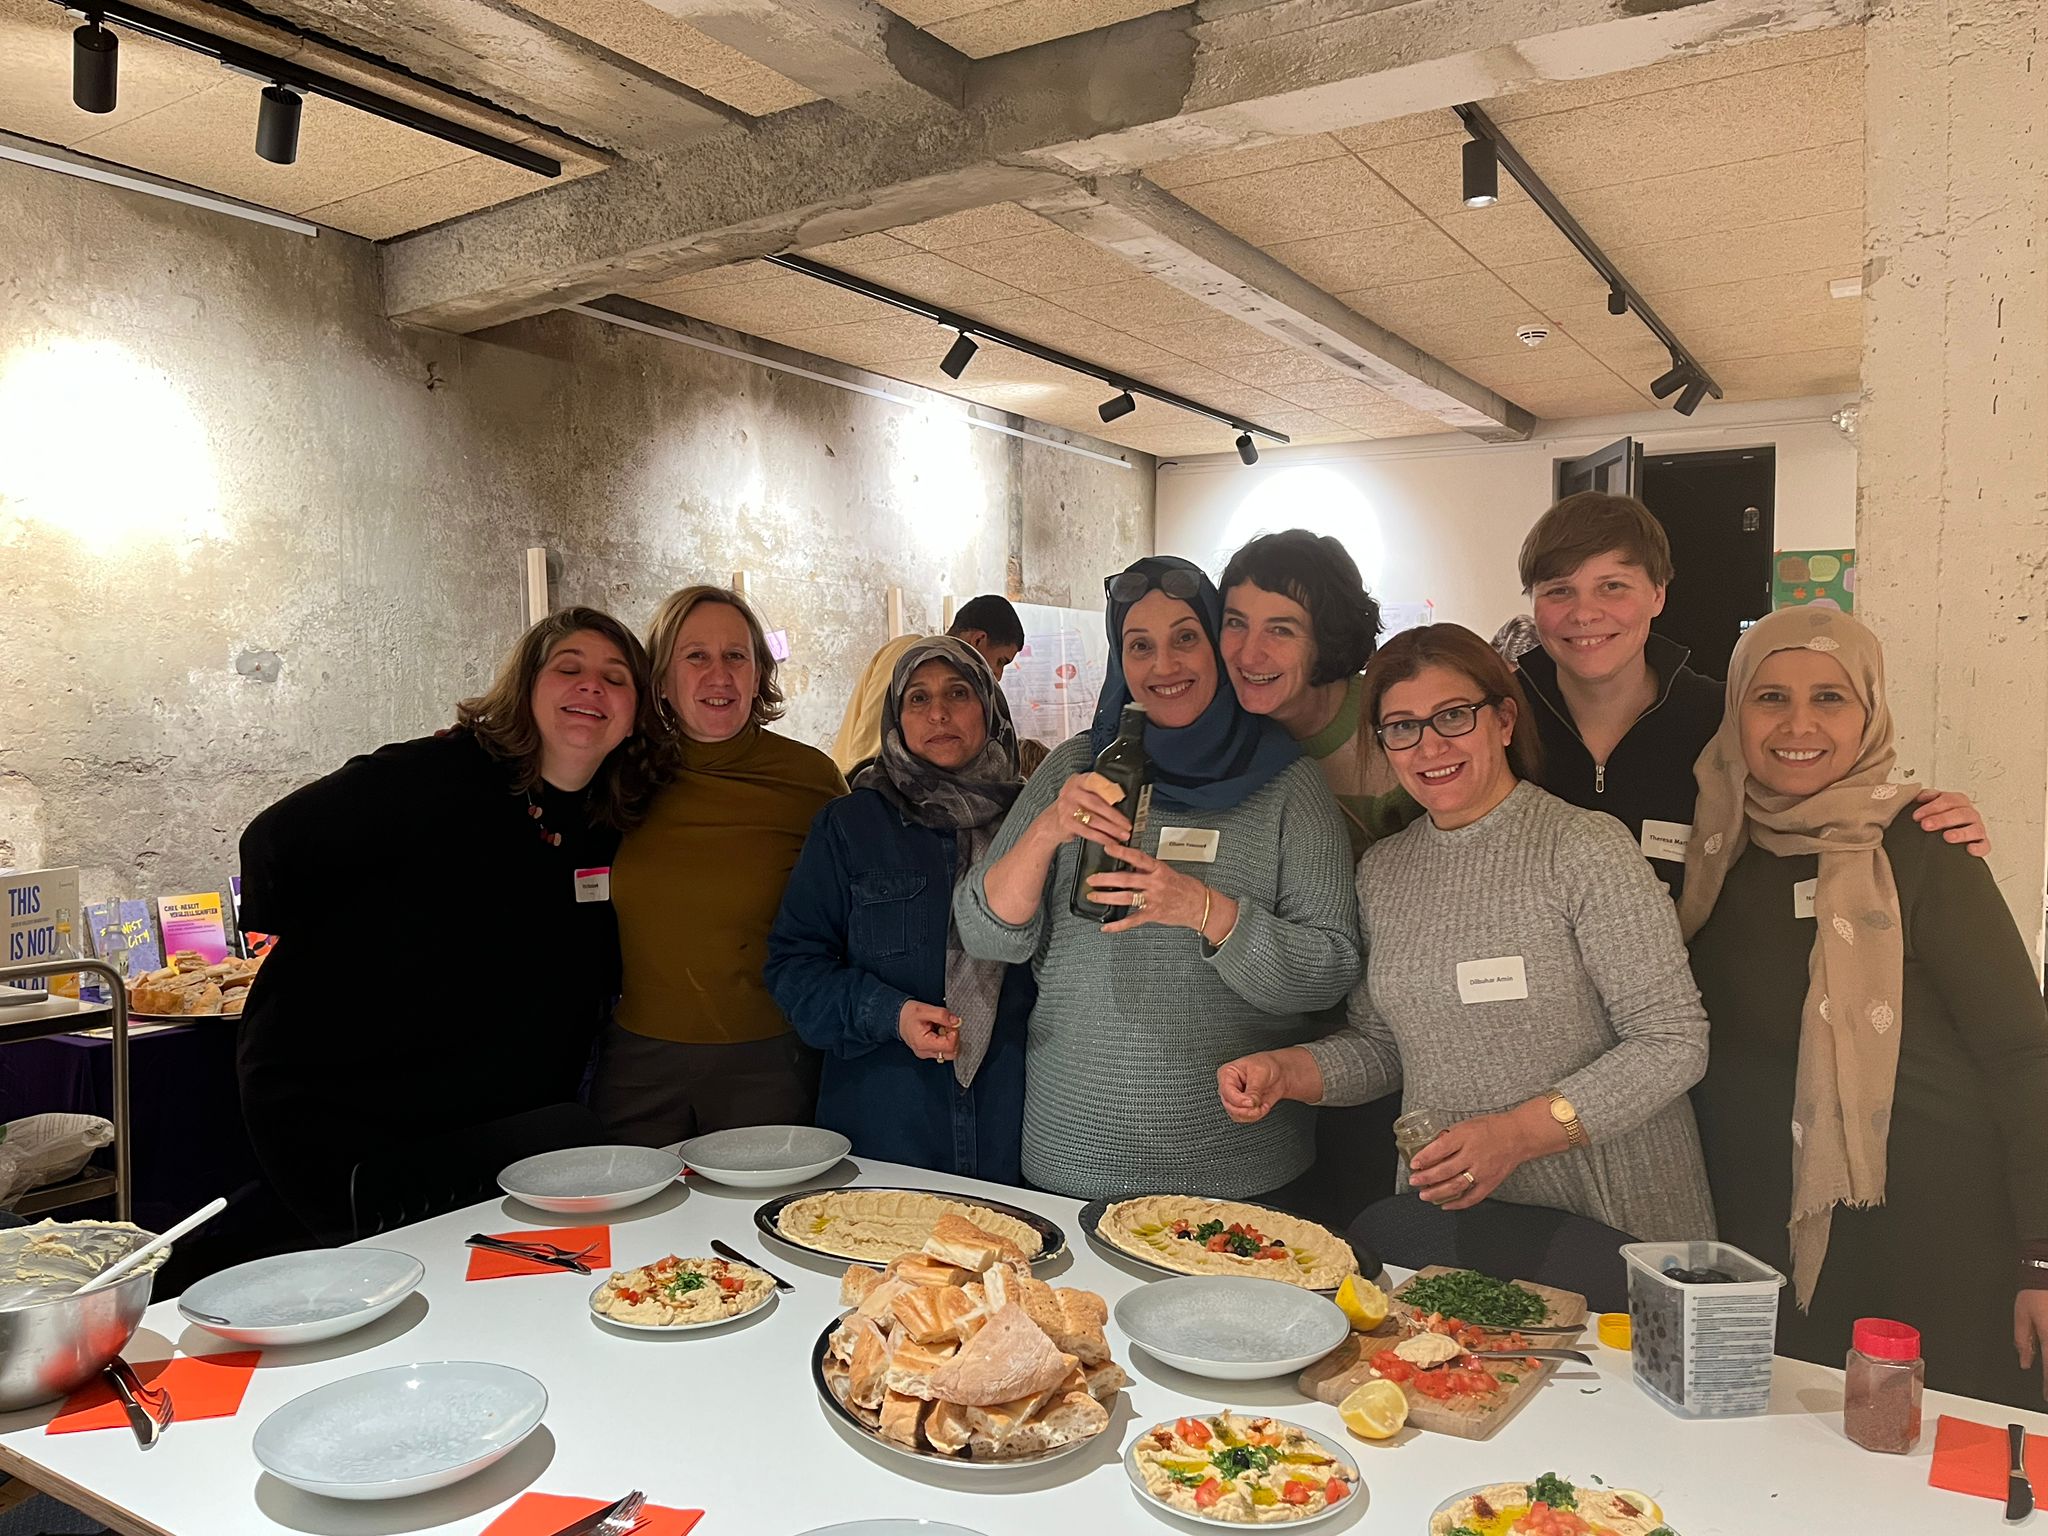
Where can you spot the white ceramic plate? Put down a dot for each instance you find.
(1231, 1328)
(301, 1298)
(1322, 1442)
(888, 1527)
(716, 1322)
(1642, 1500)
(584, 1180)
(764, 1156)
(403, 1430)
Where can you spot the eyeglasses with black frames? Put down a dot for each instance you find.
(1457, 720)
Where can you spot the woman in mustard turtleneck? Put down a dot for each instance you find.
(698, 1043)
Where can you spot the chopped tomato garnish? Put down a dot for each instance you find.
(730, 1284)
(1296, 1492)
(1219, 1242)
(1194, 1431)
(1336, 1488)
(1207, 1495)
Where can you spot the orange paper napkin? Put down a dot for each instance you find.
(487, 1265)
(201, 1387)
(543, 1514)
(1972, 1458)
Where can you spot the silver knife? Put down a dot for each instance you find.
(591, 1521)
(2019, 1493)
(140, 1420)
(567, 1261)
(1534, 1354)
(726, 1250)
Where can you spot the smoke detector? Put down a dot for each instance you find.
(1533, 335)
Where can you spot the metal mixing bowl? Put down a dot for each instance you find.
(51, 1342)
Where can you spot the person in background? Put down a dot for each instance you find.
(923, 1043)
(1229, 944)
(988, 623)
(1516, 638)
(1872, 1115)
(697, 1043)
(1031, 756)
(1524, 981)
(1622, 717)
(499, 833)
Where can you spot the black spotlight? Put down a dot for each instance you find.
(277, 125)
(1482, 174)
(95, 67)
(958, 356)
(1247, 449)
(1689, 402)
(1671, 383)
(1617, 302)
(1122, 405)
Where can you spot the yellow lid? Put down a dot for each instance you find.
(1615, 1331)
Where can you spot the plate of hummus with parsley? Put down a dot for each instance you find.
(674, 1293)
(1549, 1506)
(1240, 1469)
(1190, 1235)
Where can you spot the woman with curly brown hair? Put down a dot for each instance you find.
(698, 1043)
(498, 833)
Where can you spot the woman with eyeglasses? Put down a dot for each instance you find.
(1525, 981)
(1245, 925)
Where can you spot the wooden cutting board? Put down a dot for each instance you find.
(1334, 1377)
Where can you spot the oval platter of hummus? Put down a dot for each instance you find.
(873, 1226)
(1549, 1506)
(674, 1293)
(1240, 1469)
(1190, 1235)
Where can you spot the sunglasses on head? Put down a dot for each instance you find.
(1129, 586)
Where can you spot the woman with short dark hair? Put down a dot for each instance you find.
(500, 833)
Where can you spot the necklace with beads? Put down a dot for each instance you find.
(552, 839)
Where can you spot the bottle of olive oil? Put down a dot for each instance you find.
(1124, 764)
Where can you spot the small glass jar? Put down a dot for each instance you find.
(1881, 1392)
(1415, 1130)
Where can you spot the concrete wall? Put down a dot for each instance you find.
(248, 527)
(1440, 518)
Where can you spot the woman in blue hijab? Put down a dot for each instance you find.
(1242, 918)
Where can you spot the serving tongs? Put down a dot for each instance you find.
(537, 1252)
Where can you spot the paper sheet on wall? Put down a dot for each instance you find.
(1395, 617)
(1053, 684)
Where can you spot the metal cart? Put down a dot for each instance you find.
(60, 1016)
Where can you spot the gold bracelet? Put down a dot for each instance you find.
(1202, 928)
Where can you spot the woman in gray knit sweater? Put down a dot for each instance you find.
(1525, 978)
(1246, 923)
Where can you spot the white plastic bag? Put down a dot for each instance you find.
(47, 1149)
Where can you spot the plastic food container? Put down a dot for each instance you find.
(1703, 1350)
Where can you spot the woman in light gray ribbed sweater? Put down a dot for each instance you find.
(1134, 1017)
(1519, 953)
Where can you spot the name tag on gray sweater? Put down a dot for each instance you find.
(1503, 979)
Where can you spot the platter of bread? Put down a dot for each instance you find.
(192, 987)
(954, 1353)
(1194, 1235)
(873, 1226)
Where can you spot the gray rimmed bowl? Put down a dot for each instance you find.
(764, 1156)
(1231, 1328)
(302, 1298)
(582, 1181)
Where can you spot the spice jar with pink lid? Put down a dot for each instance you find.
(1881, 1397)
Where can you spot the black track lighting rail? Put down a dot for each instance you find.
(970, 328)
(1480, 126)
(298, 77)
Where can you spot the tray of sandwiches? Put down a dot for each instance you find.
(192, 987)
(954, 1353)
(873, 1226)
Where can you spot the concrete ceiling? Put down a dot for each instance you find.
(1250, 202)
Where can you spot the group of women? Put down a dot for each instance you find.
(1649, 950)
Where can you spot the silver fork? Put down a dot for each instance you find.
(624, 1519)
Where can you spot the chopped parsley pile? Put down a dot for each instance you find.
(1474, 1298)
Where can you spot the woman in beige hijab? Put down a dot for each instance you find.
(1875, 1109)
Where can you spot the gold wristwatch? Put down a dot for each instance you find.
(1564, 1114)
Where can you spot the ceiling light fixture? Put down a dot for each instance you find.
(1121, 406)
(1617, 302)
(958, 356)
(1667, 384)
(95, 67)
(277, 125)
(1689, 402)
(1482, 173)
(1247, 449)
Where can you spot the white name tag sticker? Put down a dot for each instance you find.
(594, 884)
(1802, 897)
(1500, 980)
(1189, 845)
(1666, 840)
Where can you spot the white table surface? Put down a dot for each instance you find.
(728, 1421)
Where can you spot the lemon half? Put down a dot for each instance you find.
(1375, 1411)
(1364, 1303)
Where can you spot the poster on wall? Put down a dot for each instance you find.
(194, 922)
(1053, 684)
(1814, 578)
(1395, 617)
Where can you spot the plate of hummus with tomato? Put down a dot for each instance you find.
(1549, 1506)
(675, 1293)
(1240, 1469)
(1190, 1235)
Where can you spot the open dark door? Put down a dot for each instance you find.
(1616, 469)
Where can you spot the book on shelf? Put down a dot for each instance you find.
(194, 922)
(43, 922)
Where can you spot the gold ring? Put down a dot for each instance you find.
(1138, 902)
(1083, 817)
(1467, 1177)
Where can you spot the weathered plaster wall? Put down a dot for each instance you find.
(248, 527)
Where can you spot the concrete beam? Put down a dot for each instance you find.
(520, 62)
(1164, 238)
(1204, 77)
(854, 52)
